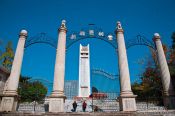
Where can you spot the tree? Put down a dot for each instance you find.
(171, 61)
(28, 91)
(150, 84)
(31, 91)
(173, 40)
(7, 56)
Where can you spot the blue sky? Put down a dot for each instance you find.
(143, 17)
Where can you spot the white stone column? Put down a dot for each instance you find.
(168, 91)
(10, 92)
(126, 99)
(57, 98)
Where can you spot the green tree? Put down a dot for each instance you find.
(7, 56)
(31, 91)
(150, 85)
(28, 91)
(173, 40)
(171, 61)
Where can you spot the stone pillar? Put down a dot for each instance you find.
(126, 99)
(168, 91)
(9, 99)
(57, 98)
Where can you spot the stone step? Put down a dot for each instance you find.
(148, 113)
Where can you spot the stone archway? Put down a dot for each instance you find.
(57, 98)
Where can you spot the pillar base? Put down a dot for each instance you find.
(127, 102)
(56, 103)
(169, 101)
(8, 103)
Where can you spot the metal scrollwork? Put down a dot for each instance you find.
(105, 74)
(140, 40)
(91, 32)
(41, 38)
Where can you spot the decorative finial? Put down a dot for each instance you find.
(63, 23)
(156, 35)
(23, 33)
(119, 26)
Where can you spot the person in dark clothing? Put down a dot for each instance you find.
(96, 109)
(74, 106)
(84, 106)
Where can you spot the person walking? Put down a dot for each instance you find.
(74, 106)
(84, 106)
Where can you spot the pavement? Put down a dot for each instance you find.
(143, 113)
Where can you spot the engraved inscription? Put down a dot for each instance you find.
(56, 105)
(7, 104)
(129, 103)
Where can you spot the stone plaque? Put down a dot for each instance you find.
(56, 105)
(7, 103)
(128, 103)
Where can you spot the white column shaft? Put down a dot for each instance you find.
(13, 81)
(165, 74)
(60, 63)
(123, 64)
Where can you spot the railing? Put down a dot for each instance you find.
(150, 103)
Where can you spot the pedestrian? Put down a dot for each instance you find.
(96, 109)
(84, 106)
(74, 106)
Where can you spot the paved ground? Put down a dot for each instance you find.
(148, 113)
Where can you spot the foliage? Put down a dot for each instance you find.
(31, 91)
(28, 91)
(7, 56)
(171, 61)
(173, 40)
(150, 84)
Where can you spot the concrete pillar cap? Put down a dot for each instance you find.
(156, 35)
(23, 31)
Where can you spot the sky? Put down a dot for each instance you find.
(144, 17)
